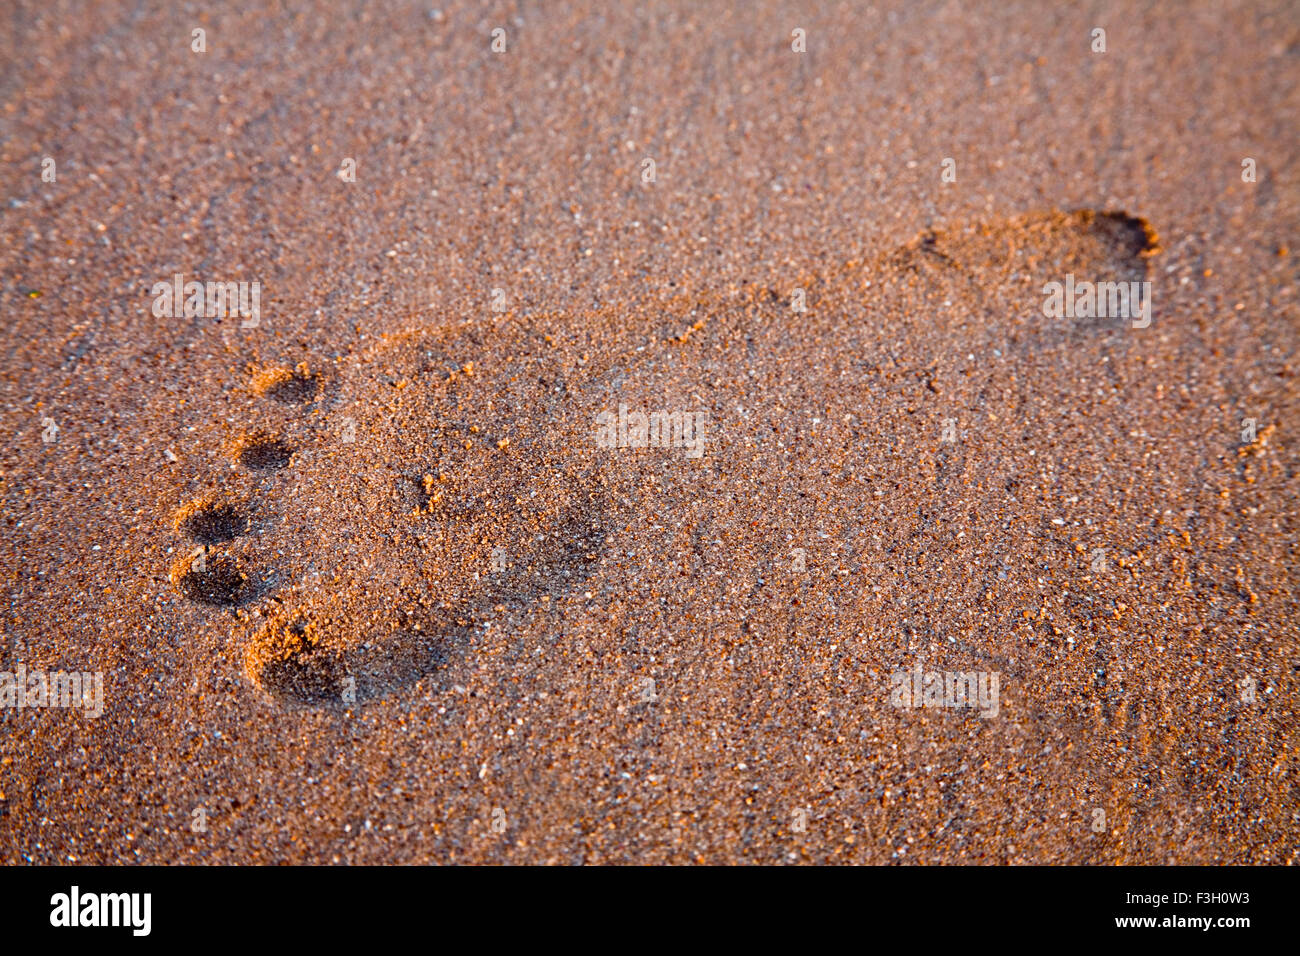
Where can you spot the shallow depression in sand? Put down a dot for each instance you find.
(261, 451)
(218, 581)
(296, 386)
(212, 522)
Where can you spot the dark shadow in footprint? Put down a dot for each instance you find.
(309, 663)
(997, 272)
(217, 581)
(351, 657)
(290, 665)
(288, 386)
(328, 657)
(261, 451)
(211, 521)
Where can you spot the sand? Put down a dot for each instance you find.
(384, 577)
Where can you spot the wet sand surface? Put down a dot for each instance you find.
(366, 582)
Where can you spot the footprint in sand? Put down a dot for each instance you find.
(449, 479)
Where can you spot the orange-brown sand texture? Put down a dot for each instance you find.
(377, 576)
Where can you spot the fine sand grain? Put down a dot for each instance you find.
(393, 572)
